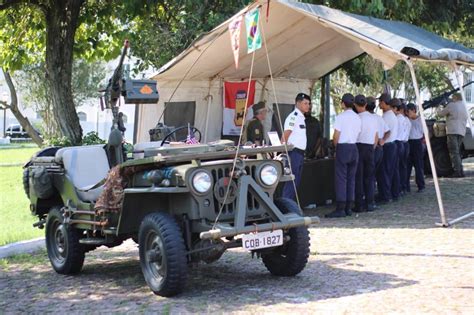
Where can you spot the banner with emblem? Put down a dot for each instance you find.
(234, 31)
(235, 98)
(254, 40)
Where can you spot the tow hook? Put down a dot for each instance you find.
(40, 224)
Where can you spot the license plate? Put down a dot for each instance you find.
(260, 240)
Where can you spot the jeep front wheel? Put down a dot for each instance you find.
(162, 254)
(290, 258)
(65, 252)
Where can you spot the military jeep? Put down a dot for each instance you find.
(181, 204)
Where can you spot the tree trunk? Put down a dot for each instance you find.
(13, 106)
(61, 25)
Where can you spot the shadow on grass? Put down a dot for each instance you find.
(236, 282)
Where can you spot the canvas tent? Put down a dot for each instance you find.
(303, 43)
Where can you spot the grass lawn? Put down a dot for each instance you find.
(15, 218)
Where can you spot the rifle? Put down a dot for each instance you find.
(443, 98)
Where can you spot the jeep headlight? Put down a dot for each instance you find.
(269, 175)
(201, 181)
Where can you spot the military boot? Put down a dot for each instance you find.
(339, 212)
(348, 208)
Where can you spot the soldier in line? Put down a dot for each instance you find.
(390, 152)
(295, 133)
(456, 120)
(416, 149)
(366, 143)
(402, 145)
(346, 130)
(383, 133)
(254, 132)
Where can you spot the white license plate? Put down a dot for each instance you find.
(260, 240)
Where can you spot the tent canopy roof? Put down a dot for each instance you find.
(308, 41)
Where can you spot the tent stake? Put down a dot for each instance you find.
(444, 222)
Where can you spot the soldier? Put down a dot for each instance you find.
(402, 145)
(366, 143)
(383, 133)
(416, 149)
(456, 120)
(346, 130)
(295, 133)
(253, 131)
(389, 149)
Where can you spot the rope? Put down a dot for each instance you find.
(186, 74)
(278, 108)
(238, 144)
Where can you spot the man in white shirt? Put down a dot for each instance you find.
(402, 145)
(346, 130)
(366, 143)
(383, 133)
(295, 133)
(390, 151)
(416, 157)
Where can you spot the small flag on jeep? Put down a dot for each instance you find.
(191, 138)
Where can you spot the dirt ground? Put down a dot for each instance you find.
(393, 260)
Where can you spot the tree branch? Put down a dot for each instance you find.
(5, 4)
(11, 87)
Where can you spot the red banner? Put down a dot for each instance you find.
(235, 98)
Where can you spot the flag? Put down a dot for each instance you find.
(235, 99)
(234, 31)
(191, 139)
(254, 40)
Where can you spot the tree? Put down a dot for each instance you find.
(86, 77)
(13, 107)
(35, 31)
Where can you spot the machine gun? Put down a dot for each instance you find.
(134, 92)
(443, 98)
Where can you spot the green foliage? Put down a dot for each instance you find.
(92, 138)
(58, 142)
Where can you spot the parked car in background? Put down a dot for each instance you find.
(17, 131)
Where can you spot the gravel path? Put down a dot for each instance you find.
(391, 261)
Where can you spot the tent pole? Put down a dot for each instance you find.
(327, 106)
(444, 223)
(208, 98)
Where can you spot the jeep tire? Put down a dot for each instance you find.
(162, 254)
(65, 252)
(441, 159)
(290, 258)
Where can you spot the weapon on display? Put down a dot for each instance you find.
(443, 98)
(133, 91)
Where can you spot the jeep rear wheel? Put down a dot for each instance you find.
(290, 258)
(62, 242)
(442, 160)
(162, 254)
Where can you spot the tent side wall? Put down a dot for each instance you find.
(198, 91)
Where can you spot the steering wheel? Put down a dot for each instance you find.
(197, 134)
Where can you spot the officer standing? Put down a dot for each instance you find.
(389, 149)
(383, 133)
(416, 149)
(402, 145)
(254, 130)
(346, 130)
(456, 120)
(295, 133)
(366, 142)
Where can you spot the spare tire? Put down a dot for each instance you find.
(26, 181)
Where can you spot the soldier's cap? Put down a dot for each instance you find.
(258, 106)
(395, 102)
(384, 97)
(302, 96)
(360, 99)
(411, 106)
(348, 99)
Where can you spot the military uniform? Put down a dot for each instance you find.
(253, 130)
(365, 175)
(416, 156)
(348, 124)
(295, 122)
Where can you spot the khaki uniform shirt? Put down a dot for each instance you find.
(456, 118)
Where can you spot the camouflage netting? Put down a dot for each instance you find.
(111, 198)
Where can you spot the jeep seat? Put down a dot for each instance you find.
(87, 167)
